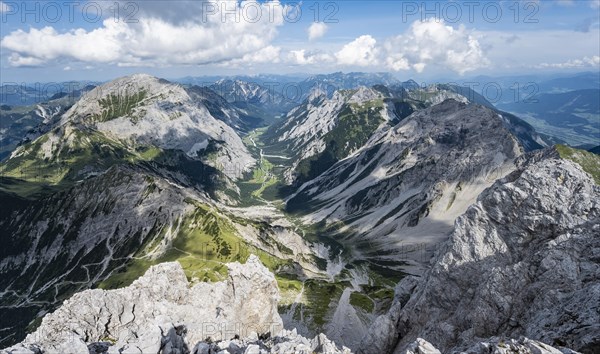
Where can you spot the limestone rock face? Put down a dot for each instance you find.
(497, 346)
(522, 261)
(142, 109)
(161, 313)
(161, 310)
(286, 342)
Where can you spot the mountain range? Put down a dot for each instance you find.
(572, 116)
(384, 214)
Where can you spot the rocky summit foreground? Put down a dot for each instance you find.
(162, 313)
(522, 261)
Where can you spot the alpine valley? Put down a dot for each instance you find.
(366, 214)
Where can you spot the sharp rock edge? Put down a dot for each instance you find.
(407, 185)
(162, 313)
(522, 261)
(522, 345)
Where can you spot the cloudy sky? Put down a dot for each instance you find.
(99, 40)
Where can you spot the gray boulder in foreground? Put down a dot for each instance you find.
(161, 313)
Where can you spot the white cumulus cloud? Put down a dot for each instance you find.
(316, 30)
(219, 34)
(593, 61)
(304, 57)
(431, 42)
(423, 44)
(4, 7)
(269, 54)
(362, 51)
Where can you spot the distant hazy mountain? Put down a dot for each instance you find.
(582, 81)
(29, 94)
(531, 85)
(265, 103)
(20, 124)
(262, 79)
(296, 88)
(329, 83)
(572, 116)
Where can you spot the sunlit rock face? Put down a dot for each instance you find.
(522, 261)
(142, 109)
(403, 190)
(162, 313)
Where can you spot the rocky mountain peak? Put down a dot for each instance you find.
(364, 94)
(128, 94)
(520, 261)
(144, 110)
(161, 312)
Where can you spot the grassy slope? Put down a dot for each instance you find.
(204, 242)
(355, 126)
(33, 173)
(207, 240)
(589, 161)
(115, 106)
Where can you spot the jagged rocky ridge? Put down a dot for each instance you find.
(522, 345)
(310, 129)
(175, 182)
(22, 124)
(328, 84)
(266, 103)
(406, 186)
(523, 260)
(242, 91)
(162, 313)
(141, 109)
(112, 224)
(325, 129)
(529, 138)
